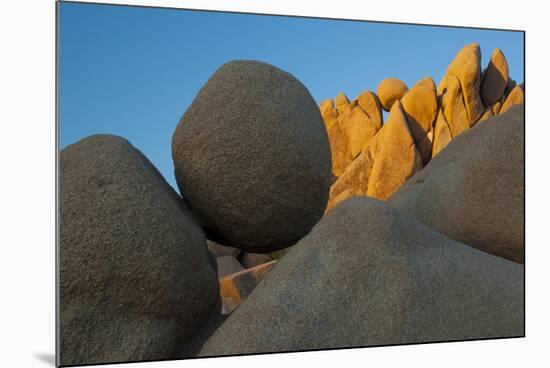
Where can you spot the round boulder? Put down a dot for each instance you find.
(252, 157)
(135, 280)
(389, 91)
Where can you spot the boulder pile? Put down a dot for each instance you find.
(300, 227)
(367, 161)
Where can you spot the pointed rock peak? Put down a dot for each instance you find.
(397, 120)
(328, 112)
(369, 102)
(342, 102)
(469, 50)
(466, 67)
(426, 82)
(326, 104)
(397, 159)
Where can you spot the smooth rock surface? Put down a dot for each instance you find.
(496, 108)
(368, 101)
(466, 67)
(452, 103)
(389, 91)
(427, 82)
(397, 159)
(357, 128)
(135, 279)
(341, 156)
(252, 158)
(420, 106)
(355, 179)
(516, 97)
(369, 275)
(442, 134)
(473, 191)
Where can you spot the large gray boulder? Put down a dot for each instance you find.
(369, 275)
(135, 279)
(252, 158)
(473, 190)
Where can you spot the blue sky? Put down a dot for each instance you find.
(134, 71)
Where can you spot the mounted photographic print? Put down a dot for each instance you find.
(234, 183)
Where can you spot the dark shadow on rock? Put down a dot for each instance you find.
(492, 79)
(423, 143)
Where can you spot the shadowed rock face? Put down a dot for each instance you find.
(495, 78)
(135, 279)
(252, 157)
(473, 191)
(369, 275)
